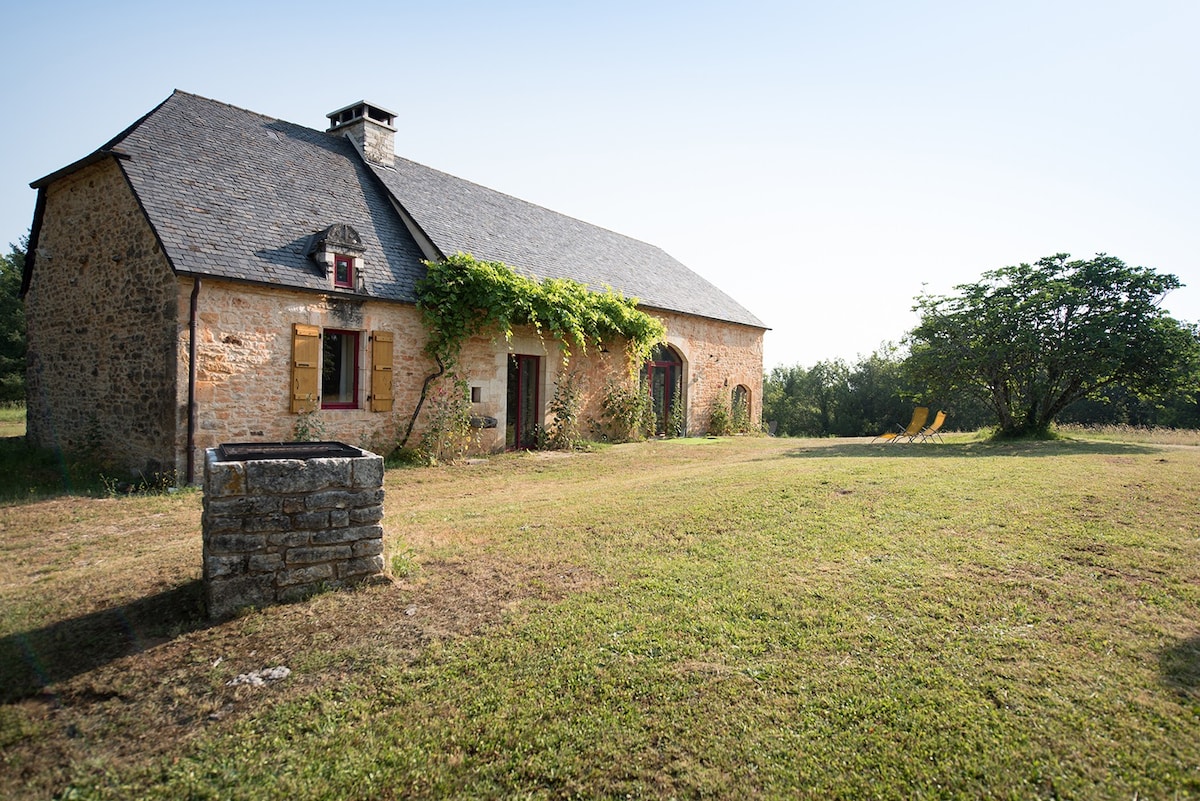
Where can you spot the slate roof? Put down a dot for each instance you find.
(460, 216)
(238, 195)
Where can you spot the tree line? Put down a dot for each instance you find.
(12, 325)
(836, 398)
(1068, 341)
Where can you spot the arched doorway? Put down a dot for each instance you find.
(664, 379)
(741, 408)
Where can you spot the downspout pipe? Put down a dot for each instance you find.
(191, 421)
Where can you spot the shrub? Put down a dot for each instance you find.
(628, 415)
(720, 421)
(449, 434)
(563, 433)
(677, 420)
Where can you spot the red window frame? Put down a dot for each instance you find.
(343, 270)
(354, 340)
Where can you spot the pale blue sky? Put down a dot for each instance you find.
(819, 161)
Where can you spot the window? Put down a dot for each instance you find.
(343, 271)
(741, 398)
(326, 372)
(339, 369)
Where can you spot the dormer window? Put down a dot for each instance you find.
(343, 271)
(339, 252)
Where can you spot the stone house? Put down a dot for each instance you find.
(210, 275)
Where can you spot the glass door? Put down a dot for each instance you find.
(523, 402)
(663, 374)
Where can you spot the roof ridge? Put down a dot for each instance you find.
(252, 112)
(193, 96)
(467, 181)
(111, 143)
(421, 210)
(109, 147)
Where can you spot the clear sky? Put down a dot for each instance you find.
(821, 162)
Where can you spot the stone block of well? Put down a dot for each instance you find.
(285, 520)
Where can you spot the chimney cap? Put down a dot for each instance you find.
(361, 110)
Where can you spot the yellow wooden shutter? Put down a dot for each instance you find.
(381, 371)
(306, 358)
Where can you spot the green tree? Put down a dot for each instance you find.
(1118, 406)
(834, 398)
(12, 324)
(827, 387)
(876, 396)
(781, 399)
(1030, 340)
(806, 402)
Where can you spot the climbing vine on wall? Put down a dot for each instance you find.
(463, 296)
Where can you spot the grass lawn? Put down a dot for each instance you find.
(735, 618)
(12, 420)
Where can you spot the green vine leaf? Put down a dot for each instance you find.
(461, 297)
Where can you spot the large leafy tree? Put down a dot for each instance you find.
(12, 325)
(1030, 340)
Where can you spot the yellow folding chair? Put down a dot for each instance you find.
(933, 430)
(915, 426)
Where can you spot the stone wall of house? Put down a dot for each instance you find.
(591, 374)
(717, 357)
(101, 311)
(484, 362)
(277, 530)
(243, 365)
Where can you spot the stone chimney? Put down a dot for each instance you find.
(370, 127)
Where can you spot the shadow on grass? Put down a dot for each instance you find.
(31, 660)
(29, 474)
(1026, 448)
(1180, 667)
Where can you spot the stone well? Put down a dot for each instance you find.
(283, 520)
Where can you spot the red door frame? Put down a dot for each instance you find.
(673, 374)
(528, 369)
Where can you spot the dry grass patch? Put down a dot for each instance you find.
(107, 661)
(1124, 433)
